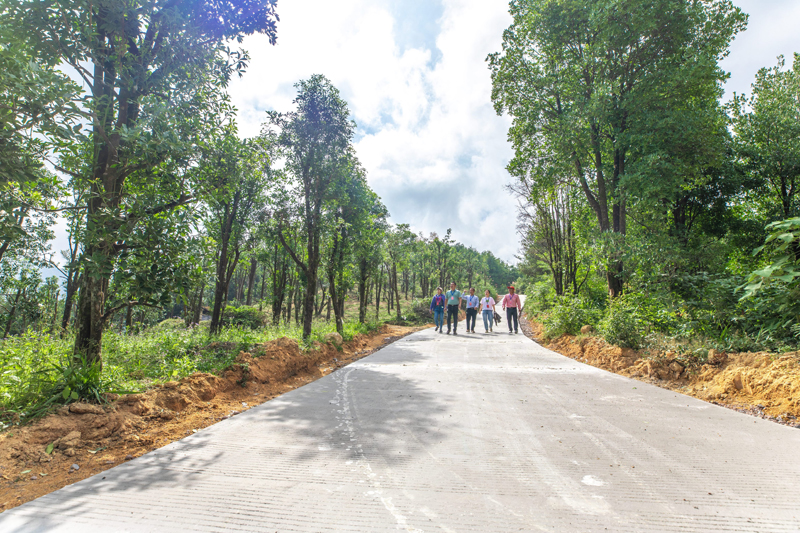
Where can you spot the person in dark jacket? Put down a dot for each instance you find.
(437, 308)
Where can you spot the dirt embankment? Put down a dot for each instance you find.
(82, 439)
(762, 384)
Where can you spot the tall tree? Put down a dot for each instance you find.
(150, 68)
(350, 212)
(767, 128)
(371, 232)
(235, 171)
(316, 138)
(399, 242)
(585, 79)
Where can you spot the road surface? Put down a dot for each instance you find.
(485, 433)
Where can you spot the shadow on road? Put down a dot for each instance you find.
(374, 410)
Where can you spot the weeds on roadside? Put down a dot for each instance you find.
(37, 374)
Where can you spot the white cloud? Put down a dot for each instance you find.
(432, 145)
(771, 31)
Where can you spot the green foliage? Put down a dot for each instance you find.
(767, 132)
(568, 316)
(353, 328)
(623, 324)
(246, 317)
(169, 324)
(38, 372)
(784, 243)
(627, 113)
(777, 285)
(80, 380)
(27, 372)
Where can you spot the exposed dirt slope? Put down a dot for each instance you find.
(95, 438)
(763, 384)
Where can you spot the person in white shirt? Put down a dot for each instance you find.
(487, 310)
(472, 310)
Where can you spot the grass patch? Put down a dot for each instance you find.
(36, 370)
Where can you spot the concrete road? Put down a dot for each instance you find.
(441, 433)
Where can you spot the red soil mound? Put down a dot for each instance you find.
(761, 383)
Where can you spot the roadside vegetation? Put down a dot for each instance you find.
(653, 210)
(187, 242)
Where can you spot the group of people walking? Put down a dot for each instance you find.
(450, 302)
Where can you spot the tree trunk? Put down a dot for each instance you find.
(336, 268)
(319, 307)
(10, 319)
(198, 307)
(363, 285)
(390, 298)
(239, 286)
(378, 295)
(263, 286)
(311, 284)
(73, 282)
(390, 291)
(396, 290)
(129, 320)
(299, 310)
(251, 280)
(289, 305)
(89, 316)
(55, 313)
(225, 268)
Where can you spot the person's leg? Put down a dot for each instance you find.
(440, 314)
(455, 318)
(449, 318)
(516, 320)
(487, 319)
(470, 319)
(437, 318)
(509, 311)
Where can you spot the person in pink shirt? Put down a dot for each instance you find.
(513, 307)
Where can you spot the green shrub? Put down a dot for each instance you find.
(244, 317)
(351, 329)
(170, 323)
(540, 296)
(36, 372)
(568, 316)
(623, 324)
(415, 313)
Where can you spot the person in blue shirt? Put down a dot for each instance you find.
(437, 308)
(453, 298)
(472, 309)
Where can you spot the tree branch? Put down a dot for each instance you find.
(185, 199)
(109, 313)
(288, 248)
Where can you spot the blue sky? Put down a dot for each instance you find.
(415, 77)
